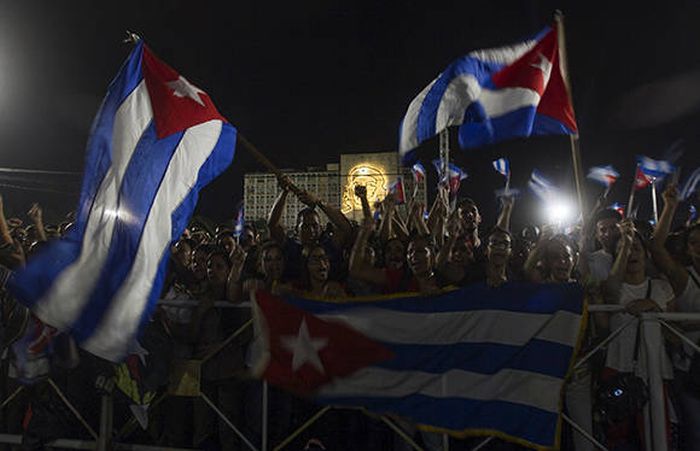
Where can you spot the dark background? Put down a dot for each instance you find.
(307, 81)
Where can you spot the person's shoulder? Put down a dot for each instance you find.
(663, 287)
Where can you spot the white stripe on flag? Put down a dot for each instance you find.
(118, 327)
(460, 93)
(504, 55)
(444, 328)
(516, 386)
(71, 289)
(409, 132)
(503, 101)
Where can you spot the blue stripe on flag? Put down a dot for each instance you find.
(32, 283)
(512, 297)
(140, 184)
(528, 423)
(220, 158)
(481, 70)
(539, 356)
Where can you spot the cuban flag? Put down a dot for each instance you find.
(605, 175)
(541, 187)
(156, 141)
(691, 185)
(494, 95)
(454, 175)
(618, 207)
(655, 168)
(418, 172)
(467, 361)
(641, 180)
(502, 166)
(396, 190)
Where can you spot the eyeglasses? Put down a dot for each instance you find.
(500, 243)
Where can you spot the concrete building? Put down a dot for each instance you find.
(333, 184)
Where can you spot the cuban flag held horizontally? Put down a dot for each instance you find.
(156, 141)
(655, 168)
(494, 95)
(470, 361)
(605, 175)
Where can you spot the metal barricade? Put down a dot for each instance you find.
(106, 438)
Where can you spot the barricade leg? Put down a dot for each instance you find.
(104, 441)
(653, 345)
(263, 439)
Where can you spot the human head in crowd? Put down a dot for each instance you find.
(607, 228)
(638, 254)
(248, 237)
(308, 226)
(470, 214)
(462, 253)
(271, 262)
(394, 254)
(199, 261)
(218, 267)
(499, 247)
(182, 253)
(316, 268)
(559, 259)
(226, 241)
(420, 255)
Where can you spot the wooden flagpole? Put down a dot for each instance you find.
(573, 139)
(630, 201)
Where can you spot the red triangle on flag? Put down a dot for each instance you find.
(177, 103)
(305, 352)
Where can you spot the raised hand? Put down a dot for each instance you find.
(35, 213)
(361, 191)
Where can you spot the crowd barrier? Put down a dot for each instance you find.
(106, 438)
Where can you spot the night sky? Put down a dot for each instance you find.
(307, 81)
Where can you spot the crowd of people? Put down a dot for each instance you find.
(393, 249)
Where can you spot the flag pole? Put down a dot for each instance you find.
(653, 200)
(573, 139)
(630, 202)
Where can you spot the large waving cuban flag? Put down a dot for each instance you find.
(474, 361)
(494, 95)
(156, 141)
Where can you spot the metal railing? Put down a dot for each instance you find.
(106, 438)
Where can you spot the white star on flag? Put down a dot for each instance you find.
(542, 63)
(304, 348)
(183, 88)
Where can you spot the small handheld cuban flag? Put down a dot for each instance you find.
(396, 189)
(540, 186)
(240, 222)
(156, 141)
(691, 185)
(418, 172)
(641, 180)
(493, 95)
(502, 166)
(605, 175)
(655, 168)
(455, 175)
(618, 207)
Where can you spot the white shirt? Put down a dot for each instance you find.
(621, 350)
(689, 302)
(599, 264)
